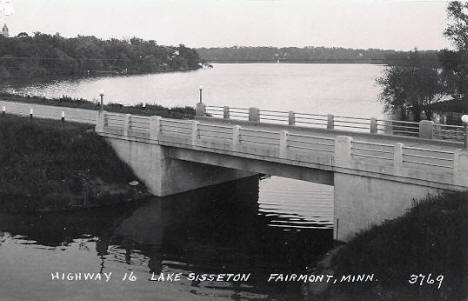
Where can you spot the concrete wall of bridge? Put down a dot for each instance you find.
(362, 202)
(166, 176)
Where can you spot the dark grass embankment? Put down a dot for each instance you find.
(52, 165)
(432, 237)
(138, 109)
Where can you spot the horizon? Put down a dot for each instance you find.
(366, 24)
(239, 46)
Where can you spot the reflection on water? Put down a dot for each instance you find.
(228, 228)
(294, 204)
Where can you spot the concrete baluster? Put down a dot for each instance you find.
(292, 118)
(100, 122)
(126, 125)
(155, 128)
(343, 151)
(283, 144)
(254, 115)
(398, 158)
(331, 122)
(373, 125)
(460, 167)
(236, 138)
(426, 129)
(195, 133)
(226, 114)
(200, 109)
(106, 119)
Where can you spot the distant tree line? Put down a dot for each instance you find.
(310, 54)
(43, 55)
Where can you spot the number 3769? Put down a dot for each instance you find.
(423, 279)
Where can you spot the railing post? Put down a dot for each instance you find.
(226, 114)
(31, 112)
(460, 167)
(200, 109)
(195, 133)
(3, 110)
(254, 114)
(126, 125)
(343, 151)
(398, 158)
(236, 138)
(373, 125)
(105, 118)
(283, 144)
(155, 128)
(426, 129)
(465, 135)
(63, 116)
(292, 118)
(100, 122)
(331, 122)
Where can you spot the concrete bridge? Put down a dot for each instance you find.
(376, 177)
(377, 167)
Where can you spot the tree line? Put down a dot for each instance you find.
(310, 54)
(418, 87)
(43, 55)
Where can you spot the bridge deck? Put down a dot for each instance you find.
(433, 163)
(438, 164)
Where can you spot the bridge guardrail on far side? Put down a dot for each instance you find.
(424, 129)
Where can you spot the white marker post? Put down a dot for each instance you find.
(464, 118)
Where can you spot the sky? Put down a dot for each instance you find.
(384, 24)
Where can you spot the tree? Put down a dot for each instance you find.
(457, 29)
(40, 55)
(410, 88)
(455, 63)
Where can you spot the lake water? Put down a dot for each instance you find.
(272, 225)
(340, 89)
(248, 226)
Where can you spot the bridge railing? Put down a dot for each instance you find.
(340, 151)
(423, 129)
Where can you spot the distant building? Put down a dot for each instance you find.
(5, 31)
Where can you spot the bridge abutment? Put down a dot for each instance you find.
(165, 176)
(361, 202)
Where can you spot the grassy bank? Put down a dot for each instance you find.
(138, 109)
(431, 238)
(49, 165)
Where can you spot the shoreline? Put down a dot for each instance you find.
(45, 79)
